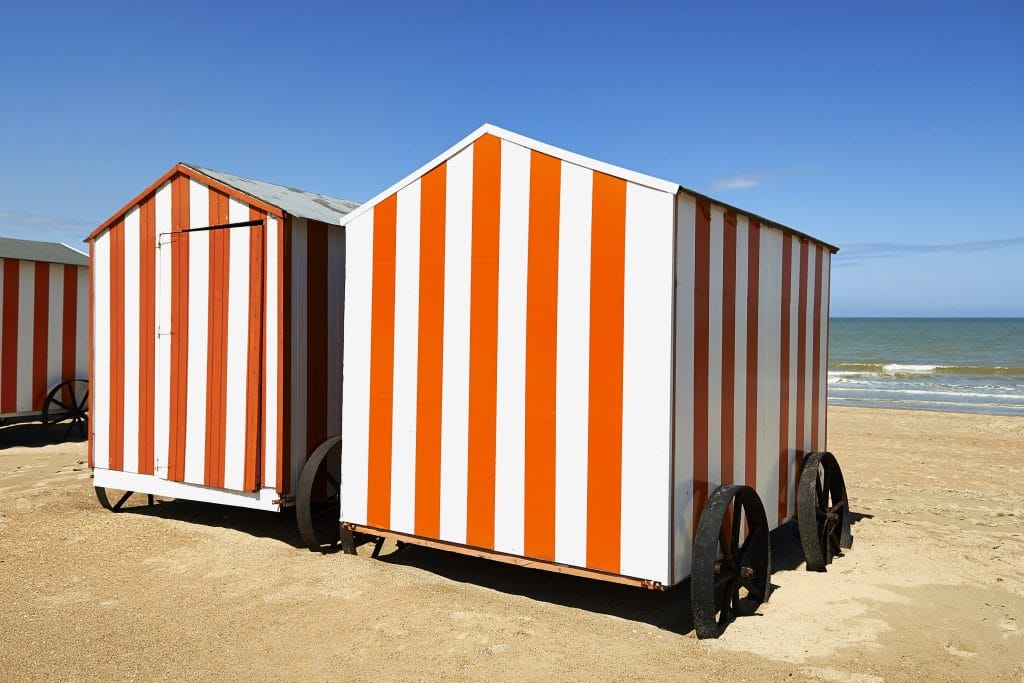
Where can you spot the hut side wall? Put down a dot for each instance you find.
(508, 357)
(750, 367)
(182, 366)
(44, 317)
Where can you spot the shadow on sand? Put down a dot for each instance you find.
(29, 432)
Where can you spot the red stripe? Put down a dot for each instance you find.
(728, 346)
(180, 216)
(116, 237)
(382, 362)
(701, 331)
(483, 342)
(541, 336)
(254, 417)
(147, 331)
(430, 352)
(69, 324)
(607, 306)
(216, 361)
(801, 356)
(9, 361)
(784, 353)
(816, 349)
(40, 336)
(753, 299)
(316, 335)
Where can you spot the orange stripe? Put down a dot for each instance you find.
(728, 405)
(701, 327)
(117, 346)
(69, 324)
(816, 349)
(179, 328)
(9, 362)
(284, 344)
(40, 337)
(254, 366)
(801, 354)
(216, 365)
(541, 335)
(382, 362)
(784, 353)
(483, 342)
(607, 298)
(753, 298)
(147, 331)
(316, 335)
(430, 353)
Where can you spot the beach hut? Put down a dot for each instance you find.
(44, 314)
(564, 364)
(217, 310)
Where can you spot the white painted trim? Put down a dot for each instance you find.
(150, 484)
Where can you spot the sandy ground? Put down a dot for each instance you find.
(932, 590)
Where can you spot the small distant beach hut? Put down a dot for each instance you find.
(217, 325)
(44, 341)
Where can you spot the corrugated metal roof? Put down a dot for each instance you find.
(50, 252)
(299, 203)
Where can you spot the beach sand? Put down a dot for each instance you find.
(933, 588)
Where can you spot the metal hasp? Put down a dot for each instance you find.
(729, 577)
(823, 511)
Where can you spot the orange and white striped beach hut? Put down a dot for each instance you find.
(44, 316)
(216, 337)
(553, 361)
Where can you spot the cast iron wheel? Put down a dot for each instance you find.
(318, 497)
(823, 511)
(66, 410)
(729, 577)
(122, 498)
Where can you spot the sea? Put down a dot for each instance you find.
(972, 365)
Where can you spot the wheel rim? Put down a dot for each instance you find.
(66, 411)
(822, 511)
(731, 559)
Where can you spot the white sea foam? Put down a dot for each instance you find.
(893, 368)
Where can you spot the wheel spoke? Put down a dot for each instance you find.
(735, 548)
(55, 401)
(726, 549)
(330, 478)
(84, 403)
(125, 497)
(71, 390)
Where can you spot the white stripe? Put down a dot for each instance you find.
(808, 332)
(739, 410)
(82, 328)
(162, 381)
(335, 325)
(355, 419)
(26, 332)
(794, 320)
(99, 419)
(198, 322)
(131, 340)
(509, 454)
(647, 384)
(55, 325)
(682, 513)
(236, 394)
(826, 265)
(407, 307)
(3, 262)
(300, 319)
(768, 362)
(270, 387)
(455, 360)
(572, 363)
(715, 305)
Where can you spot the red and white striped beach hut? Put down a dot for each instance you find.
(554, 361)
(44, 312)
(217, 310)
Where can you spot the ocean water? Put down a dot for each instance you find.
(973, 365)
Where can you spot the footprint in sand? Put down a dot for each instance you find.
(959, 653)
(1009, 629)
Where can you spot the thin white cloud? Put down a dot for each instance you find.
(748, 179)
(742, 181)
(39, 226)
(854, 254)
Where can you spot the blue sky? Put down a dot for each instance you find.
(893, 129)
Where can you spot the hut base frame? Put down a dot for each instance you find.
(348, 531)
(264, 499)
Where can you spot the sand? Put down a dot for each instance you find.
(933, 588)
